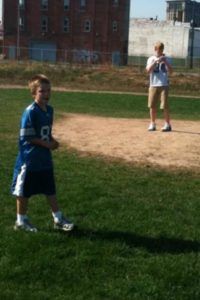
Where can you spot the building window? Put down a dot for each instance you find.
(21, 4)
(114, 26)
(66, 4)
(115, 2)
(82, 4)
(87, 26)
(21, 23)
(44, 4)
(44, 24)
(66, 24)
(175, 6)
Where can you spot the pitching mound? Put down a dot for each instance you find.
(128, 139)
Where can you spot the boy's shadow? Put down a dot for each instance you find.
(187, 132)
(151, 244)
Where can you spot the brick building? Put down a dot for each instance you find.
(62, 30)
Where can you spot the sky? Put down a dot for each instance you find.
(149, 9)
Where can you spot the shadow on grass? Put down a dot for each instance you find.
(151, 244)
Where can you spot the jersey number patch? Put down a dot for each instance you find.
(45, 131)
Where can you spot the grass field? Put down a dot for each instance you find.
(138, 229)
(99, 78)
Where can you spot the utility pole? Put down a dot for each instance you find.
(18, 29)
(192, 43)
(3, 42)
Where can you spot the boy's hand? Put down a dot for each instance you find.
(160, 59)
(163, 59)
(53, 144)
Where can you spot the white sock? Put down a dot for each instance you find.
(21, 218)
(57, 216)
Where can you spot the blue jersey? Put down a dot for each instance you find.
(35, 123)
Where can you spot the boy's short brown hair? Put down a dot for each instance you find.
(159, 45)
(37, 81)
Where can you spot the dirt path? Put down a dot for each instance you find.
(128, 139)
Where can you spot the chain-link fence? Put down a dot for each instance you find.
(62, 55)
(88, 57)
(179, 64)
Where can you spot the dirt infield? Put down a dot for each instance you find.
(128, 139)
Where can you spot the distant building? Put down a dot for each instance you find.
(185, 11)
(180, 39)
(60, 30)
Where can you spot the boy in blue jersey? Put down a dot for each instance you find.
(33, 172)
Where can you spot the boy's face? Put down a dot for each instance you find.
(159, 51)
(42, 94)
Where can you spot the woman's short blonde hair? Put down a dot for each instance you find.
(36, 81)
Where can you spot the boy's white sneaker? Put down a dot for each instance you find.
(166, 128)
(25, 226)
(152, 127)
(64, 225)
